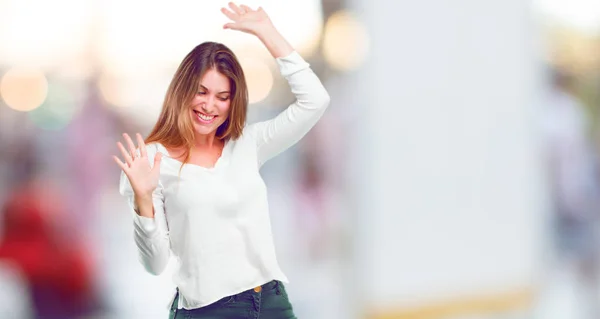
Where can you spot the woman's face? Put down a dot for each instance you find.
(210, 105)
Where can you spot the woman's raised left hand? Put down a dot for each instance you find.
(246, 19)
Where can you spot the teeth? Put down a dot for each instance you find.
(205, 117)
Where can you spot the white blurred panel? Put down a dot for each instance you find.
(448, 169)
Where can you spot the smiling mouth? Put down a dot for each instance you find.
(205, 118)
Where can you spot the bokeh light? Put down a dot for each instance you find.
(345, 41)
(111, 90)
(258, 77)
(58, 109)
(139, 96)
(24, 89)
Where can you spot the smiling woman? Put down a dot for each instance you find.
(210, 84)
(212, 102)
(206, 203)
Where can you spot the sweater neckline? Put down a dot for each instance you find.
(220, 161)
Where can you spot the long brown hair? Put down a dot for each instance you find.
(174, 128)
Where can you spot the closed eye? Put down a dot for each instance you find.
(220, 98)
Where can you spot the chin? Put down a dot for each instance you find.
(203, 130)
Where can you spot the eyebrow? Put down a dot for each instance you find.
(204, 87)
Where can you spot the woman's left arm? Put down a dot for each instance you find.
(278, 134)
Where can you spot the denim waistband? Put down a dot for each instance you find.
(273, 284)
(270, 284)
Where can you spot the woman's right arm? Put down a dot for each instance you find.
(151, 232)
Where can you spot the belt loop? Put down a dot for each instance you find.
(277, 288)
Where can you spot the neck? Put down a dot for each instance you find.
(207, 141)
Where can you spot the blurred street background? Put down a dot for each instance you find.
(455, 175)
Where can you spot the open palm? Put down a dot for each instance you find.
(142, 177)
(246, 19)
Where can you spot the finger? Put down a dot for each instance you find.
(156, 168)
(235, 8)
(157, 159)
(126, 154)
(141, 145)
(130, 144)
(231, 26)
(246, 8)
(122, 165)
(231, 15)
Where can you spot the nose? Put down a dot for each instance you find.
(209, 105)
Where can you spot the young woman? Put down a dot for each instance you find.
(194, 183)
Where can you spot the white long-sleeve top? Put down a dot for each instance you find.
(215, 221)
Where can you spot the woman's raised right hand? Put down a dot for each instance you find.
(142, 177)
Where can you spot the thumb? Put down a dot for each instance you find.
(157, 160)
(231, 26)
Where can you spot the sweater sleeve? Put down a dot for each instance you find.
(311, 99)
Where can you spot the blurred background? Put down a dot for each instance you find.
(455, 174)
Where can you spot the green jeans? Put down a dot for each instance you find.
(269, 303)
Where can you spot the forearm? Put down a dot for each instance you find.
(275, 43)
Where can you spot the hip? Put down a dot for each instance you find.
(267, 301)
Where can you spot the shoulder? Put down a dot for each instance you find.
(252, 129)
(248, 129)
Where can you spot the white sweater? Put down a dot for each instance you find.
(215, 221)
